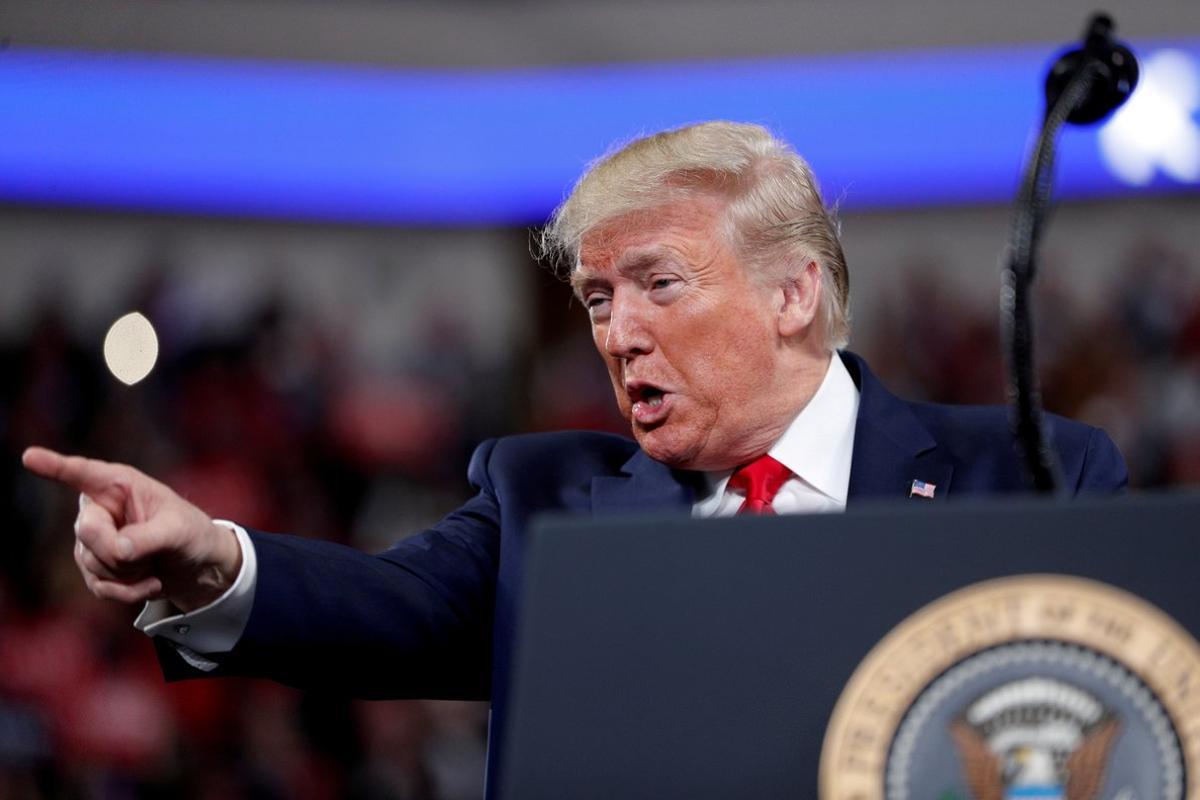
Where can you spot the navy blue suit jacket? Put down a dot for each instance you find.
(433, 616)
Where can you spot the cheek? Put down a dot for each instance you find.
(714, 343)
(732, 356)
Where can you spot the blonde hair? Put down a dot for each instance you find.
(775, 217)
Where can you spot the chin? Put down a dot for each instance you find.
(664, 446)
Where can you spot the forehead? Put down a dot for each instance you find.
(681, 225)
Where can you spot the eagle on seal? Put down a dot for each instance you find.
(1037, 738)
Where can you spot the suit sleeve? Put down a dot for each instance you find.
(1103, 468)
(412, 621)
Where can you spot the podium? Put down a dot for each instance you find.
(1011, 648)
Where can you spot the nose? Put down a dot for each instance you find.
(627, 334)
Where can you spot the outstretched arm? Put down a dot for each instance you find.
(414, 620)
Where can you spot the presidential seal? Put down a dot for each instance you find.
(1035, 687)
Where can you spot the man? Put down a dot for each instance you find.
(718, 296)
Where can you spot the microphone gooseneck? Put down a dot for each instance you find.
(1083, 86)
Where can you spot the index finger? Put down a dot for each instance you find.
(84, 474)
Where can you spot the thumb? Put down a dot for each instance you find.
(140, 540)
(183, 531)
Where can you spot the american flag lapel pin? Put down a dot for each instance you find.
(922, 489)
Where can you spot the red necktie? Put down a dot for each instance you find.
(760, 480)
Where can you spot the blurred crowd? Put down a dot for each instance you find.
(1129, 363)
(269, 424)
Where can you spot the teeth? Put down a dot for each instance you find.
(655, 401)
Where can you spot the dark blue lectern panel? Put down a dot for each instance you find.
(675, 658)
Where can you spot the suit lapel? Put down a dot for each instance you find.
(645, 486)
(891, 446)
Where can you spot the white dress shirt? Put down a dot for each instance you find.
(816, 447)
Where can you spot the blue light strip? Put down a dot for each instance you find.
(364, 144)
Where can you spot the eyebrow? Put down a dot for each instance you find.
(581, 280)
(640, 262)
(634, 264)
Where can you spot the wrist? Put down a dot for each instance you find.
(229, 550)
(218, 575)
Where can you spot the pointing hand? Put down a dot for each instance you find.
(136, 539)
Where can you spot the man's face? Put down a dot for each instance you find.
(691, 343)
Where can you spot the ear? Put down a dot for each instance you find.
(801, 296)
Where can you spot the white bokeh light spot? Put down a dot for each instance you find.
(1156, 130)
(131, 348)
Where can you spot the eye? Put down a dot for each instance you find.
(664, 287)
(597, 304)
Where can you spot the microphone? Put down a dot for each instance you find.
(1083, 86)
(1114, 67)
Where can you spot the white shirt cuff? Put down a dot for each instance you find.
(214, 628)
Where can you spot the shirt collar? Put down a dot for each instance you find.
(819, 443)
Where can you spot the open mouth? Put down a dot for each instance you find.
(650, 403)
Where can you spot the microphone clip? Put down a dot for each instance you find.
(1115, 73)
